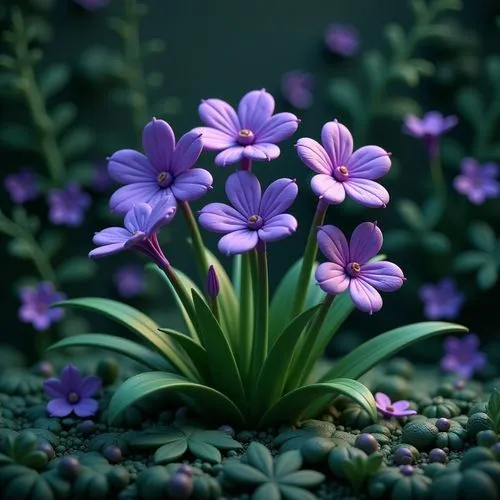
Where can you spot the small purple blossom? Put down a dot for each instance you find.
(296, 87)
(462, 356)
(251, 133)
(92, 5)
(22, 186)
(477, 182)
(349, 266)
(255, 217)
(72, 393)
(442, 300)
(129, 280)
(164, 173)
(67, 205)
(390, 409)
(342, 172)
(342, 40)
(36, 302)
(429, 128)
(212, 286)
(142, 222)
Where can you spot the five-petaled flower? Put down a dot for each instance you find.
(349, 266)
(255, 217)
(429, 128)
(72, 393)
(462, 356)
(164, 173)
(390, 409)
(142, 223)
(342, 40)
(442, 300)
(251, 133)
(67, 206)
(477, 182)
(296, 87)
(22, 186)
(36, 302)
(340, 171)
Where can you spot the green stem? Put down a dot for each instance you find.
(308, 260)
(260, 337)
(246, 315)
(437, 175)
(198, 246)
(134, 73)
(41, 119)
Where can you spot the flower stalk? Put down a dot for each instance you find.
(437, 174)
(246, 323)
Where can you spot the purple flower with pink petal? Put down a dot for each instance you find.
(429, 128)
(129, 280)
(22, 186)
(67, 206)
(164, 173)
(36, 302)
(442, 300)
(349, 266)
(462, 356)
(296, 87)
(253, 217)
(251, 133)
(343, 172)
(389, 409)
(142, 223)
(72, 393)
(477, 182)
(342, 40)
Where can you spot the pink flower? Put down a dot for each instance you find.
(390, 409)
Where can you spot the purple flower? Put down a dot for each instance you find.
(129, 281)
(35, 308)
(163, 174)
(296, 87)
(22, 186)
(72, 393)
(142, 222)
(349, 266)
(462, 356)
(477, 182)
(212, 286)
(441, 300)
(390, 409)
(255, 217)
(92, 5)
(251, 133)
(342, 40)
(429, 128)
(340, 171)
(68, 205)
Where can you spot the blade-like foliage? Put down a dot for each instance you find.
(376, 350)
(219, 407)
(295, 403)
(136, 322)
(126, 347)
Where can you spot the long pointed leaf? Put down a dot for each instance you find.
(223, 367)
(126, 347)
(218, 406)
(372, 352)
(194, 350)
(272, 377)
(294, 404)
(137, 322)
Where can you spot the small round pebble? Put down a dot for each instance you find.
(367, 443)
(227, 429)
(486, 438)
(44, 368)
(47, 449)
(407, 470)
(443, 424)
(437, 455)
(69, 467)
(112, 453)
(179, 487)
(402, 456)
(185, 469)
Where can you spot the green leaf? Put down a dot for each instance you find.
(407, 73)
(294, 493)
(53, 79)
(302, 478)
(19, 248)
(18, 137)
(51, 242)
(344, 93)
(493, 409)
(397, 239)
(170, 452)
(295, 404)
(487, 276)
(471, 260)
(219, 407)
(435, 242)
(205, 451)
(76, 142)
(225, 374)
(411, 214)
(452, 152)
(375, 69)
(287, 462)
(493, 70)
(240, 473)
(137, 322)
(63, 115)
(376, 350)
(219, 439)
(470, 104)
(355, 471)
(482, 236)
(398, 107)
(260, 457)
(396, 37)
(374, 462)
(272, 377)
(76, 269)
(432, 211)
(125, 347)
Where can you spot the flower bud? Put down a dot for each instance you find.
(212, 283)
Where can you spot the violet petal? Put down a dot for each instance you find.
(254, 109)
(186, 152)
(278, 197)
(220, 115)
(158, 141)
(128, 165)
(278, 227)
(366, 241)
(244, 192)
(239, 241)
